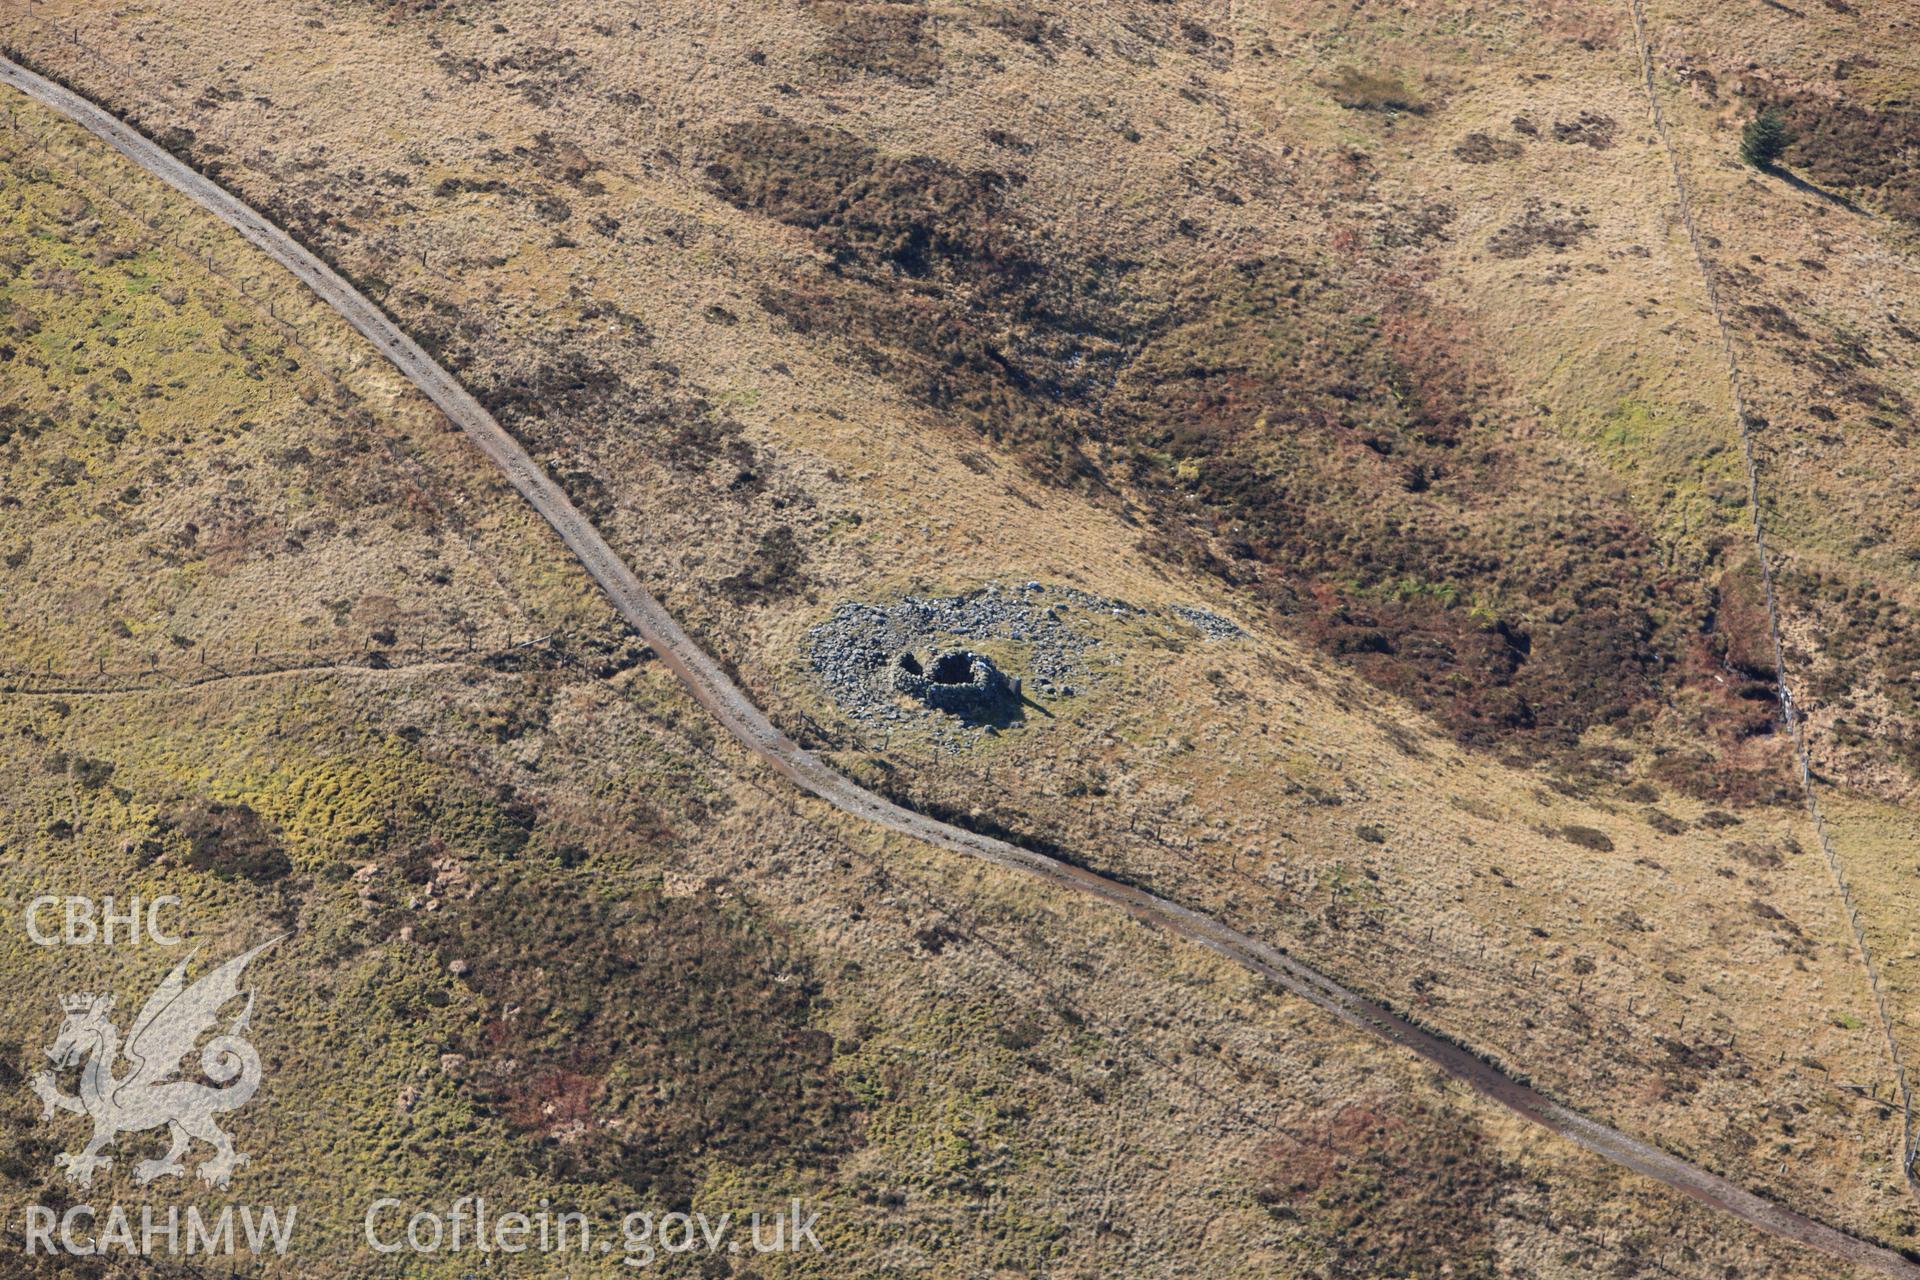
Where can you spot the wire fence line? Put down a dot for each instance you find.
(1295, 895)
(1053, 996)
(1789, 708)
(1308, 902)
(1638, 1146)
(265, 298)
(173, 676)
(27, 681)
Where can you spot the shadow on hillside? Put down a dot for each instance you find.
(1799, 183)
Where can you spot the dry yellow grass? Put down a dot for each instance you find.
(1493, 924)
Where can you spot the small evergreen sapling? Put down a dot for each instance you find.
(1765, 139)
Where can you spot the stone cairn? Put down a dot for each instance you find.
(961, 682)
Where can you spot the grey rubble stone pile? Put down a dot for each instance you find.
(1212, 625)
(854, 651)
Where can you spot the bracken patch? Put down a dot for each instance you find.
(1393, 1188)
(1842, 144)
(1314, 436)
(706, 1054)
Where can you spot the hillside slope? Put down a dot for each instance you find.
(1376, 336)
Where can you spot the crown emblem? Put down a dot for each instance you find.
(77, 1002)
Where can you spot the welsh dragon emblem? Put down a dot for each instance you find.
(169, 1025)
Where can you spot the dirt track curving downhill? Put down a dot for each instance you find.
(718, 694)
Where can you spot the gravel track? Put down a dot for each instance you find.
(711, 687)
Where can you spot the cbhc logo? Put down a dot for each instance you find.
(81, 922)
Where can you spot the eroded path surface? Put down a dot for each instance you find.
(731, 707)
